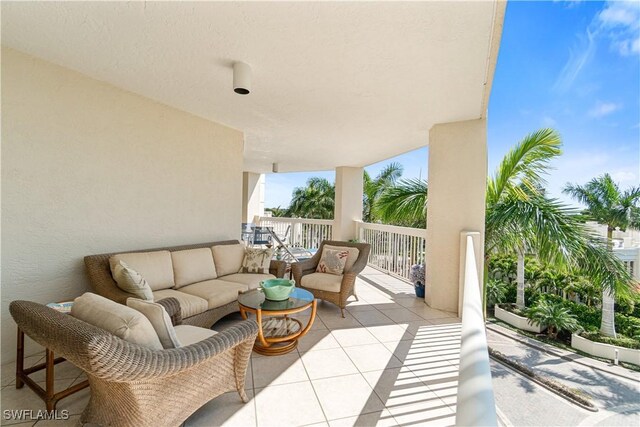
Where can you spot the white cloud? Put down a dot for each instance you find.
(602, 109)
(578, 57)
(620, 22)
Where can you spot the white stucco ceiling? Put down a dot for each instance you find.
(334, 84)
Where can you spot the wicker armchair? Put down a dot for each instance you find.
(133, 385)
(347, 287)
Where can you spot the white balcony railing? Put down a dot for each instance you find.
(393, 249)
(299, 232)
(476, 404)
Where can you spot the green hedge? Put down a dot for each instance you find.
(620, 341)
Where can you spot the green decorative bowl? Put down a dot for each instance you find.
(277, 289)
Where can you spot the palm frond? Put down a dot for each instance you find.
(404, 203)
(525, 164)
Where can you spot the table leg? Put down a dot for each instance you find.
(20, 359)
(49, 399)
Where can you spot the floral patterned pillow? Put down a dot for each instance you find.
(332, 261)
(256, 261)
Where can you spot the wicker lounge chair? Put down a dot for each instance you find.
(347, 285)
(132, 385)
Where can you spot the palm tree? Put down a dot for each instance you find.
(404, 203)
(554, 316)
(520, 176)
(373, 188)
(278, 211)
(520, 217)
(315, 200)
(608, 205)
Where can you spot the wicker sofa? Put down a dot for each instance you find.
(132, 385)
(203, 302)
(330, 287)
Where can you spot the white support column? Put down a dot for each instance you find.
(252, 196)
(348, 207)
(457, 187)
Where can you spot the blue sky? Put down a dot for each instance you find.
(570, 65)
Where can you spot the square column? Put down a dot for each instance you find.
(457, 189)
(252, 195)
(348, 204)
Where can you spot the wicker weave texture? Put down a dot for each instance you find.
(133, 385)
(347, 287)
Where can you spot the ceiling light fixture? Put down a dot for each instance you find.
(241, 78)
(274, 168)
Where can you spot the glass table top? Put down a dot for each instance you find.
(255, 299)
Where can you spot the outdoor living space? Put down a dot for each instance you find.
(391, 361)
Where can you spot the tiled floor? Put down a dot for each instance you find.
(390, 361)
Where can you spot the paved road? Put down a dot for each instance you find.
(525, 403)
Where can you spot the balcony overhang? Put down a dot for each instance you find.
(334, 83)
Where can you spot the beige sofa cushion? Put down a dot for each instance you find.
(228, 258)
(131, 281)
(322, 282)
(120, 320)
(251, 280)
(192, 266)
(155, 267)
(217, 292)
(256, 260)
(351, 259)
(159, 319)
(190, 305)
(188, 334)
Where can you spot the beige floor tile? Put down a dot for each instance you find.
(227, 409)
(346, 396)
(390, 305)
(397, 386)
(283, 369)
(317, 340)
(378, 419)
(390, 333)
(410, 301)
(402, 314)
(71, 421)
(288, 405)
(428, 313)
(328, 363)
(333, 321)
(362, 305)
(372, 357)
(353, 336)
(427, 413)
(8, 370)
(372, 318)
(64, 370)
(446, 321)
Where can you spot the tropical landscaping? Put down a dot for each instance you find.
(543, 262)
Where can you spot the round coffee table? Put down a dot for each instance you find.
(277, 332)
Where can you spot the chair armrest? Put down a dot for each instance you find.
(302, 268)
(172, 306)
(117, 360)
(277, 268)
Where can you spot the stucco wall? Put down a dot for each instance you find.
(457, 186)
(89, 168)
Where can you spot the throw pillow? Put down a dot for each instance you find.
(159, 319)
(117, 319)
(256, 261)
(351, 259)
(332, 261)
(131, 281)
(228, 258)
